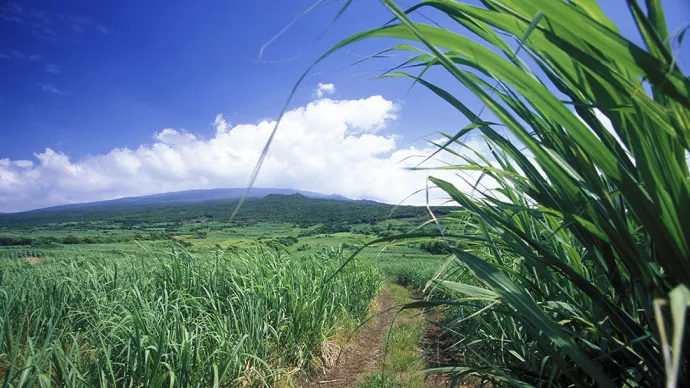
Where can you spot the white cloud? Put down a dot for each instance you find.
(11, 8)
(23, 163)
(78, 28)
(221, 125)
(44, 33)
(82, 24)
(326, 146)
(51, 88)
(20, 55)
(323, 90)
(54, 69)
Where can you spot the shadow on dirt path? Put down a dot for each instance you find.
(361, 355)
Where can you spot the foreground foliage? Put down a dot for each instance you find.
(575, 262)
(172, 318)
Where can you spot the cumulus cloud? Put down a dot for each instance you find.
(324, 90)
(328, 146)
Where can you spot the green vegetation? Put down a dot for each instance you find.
(569, 267)
(173, 317)
(293, 209)
(190, 302)
(403, 362)
(377, 380)
(573, 267)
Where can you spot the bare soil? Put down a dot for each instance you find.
(438, 345)
(360, 357)
(35, 259)
(435, 344)
(363, 354)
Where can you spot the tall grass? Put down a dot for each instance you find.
(574, 268)
(172, 318)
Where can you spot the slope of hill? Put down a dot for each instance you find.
(295, 208)
(190, 196)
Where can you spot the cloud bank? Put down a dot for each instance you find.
(328, 146)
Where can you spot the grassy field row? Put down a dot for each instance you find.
(173, 318)
(403, 363)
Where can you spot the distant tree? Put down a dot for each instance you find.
(71, 239)
(435, 247)
(7, 241)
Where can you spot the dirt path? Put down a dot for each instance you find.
(435, 341)
(361, 355)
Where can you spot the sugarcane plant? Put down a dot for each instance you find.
(574, 265)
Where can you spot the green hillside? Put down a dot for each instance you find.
(295, 208)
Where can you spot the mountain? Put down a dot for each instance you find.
(296, 208)
(192, 196)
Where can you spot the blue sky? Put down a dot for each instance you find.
(83, 78)
(153, 66)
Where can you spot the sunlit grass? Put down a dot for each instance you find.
(173, 318)
(574, 269)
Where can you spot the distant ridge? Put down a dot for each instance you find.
(285, 206)
(194, 196)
